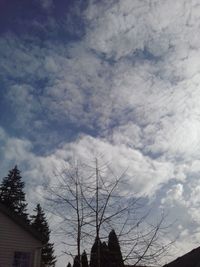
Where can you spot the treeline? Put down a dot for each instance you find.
(109, 255)
(12, 196)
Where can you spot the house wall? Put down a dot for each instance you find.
(14, 238)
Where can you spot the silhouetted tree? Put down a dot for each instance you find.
(69, 204)
(114, 250)
(94, 253)
(105, 255)
(91, 200)
(103, 258)
(76, 261)
(12, 194)
(84, 259)
(69, 265)
(39, 222)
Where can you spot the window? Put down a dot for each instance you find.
(21, 259)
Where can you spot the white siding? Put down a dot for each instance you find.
(14, 238)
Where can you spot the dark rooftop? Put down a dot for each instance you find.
(191, 259)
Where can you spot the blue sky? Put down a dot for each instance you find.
(119, 76)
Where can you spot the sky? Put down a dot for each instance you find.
(118, 78)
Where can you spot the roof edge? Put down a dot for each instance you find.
(17, 219)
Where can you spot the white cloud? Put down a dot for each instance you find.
(175, 194)
(160, 96)
(151, 94)
(125, 26)
(141, 170)
(144, 174)
(129, 135)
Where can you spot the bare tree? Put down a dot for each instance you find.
(92, 200)
(66, 201)
(112, 207)
(101, 202)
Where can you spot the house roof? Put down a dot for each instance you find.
(18, 220)
(191, 259)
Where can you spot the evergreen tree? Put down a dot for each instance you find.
(76, 262)
(94, 253)
(105, 255)
(69, 265)
(12, 194)
(114, 250)
(39, 222)
(84, 259)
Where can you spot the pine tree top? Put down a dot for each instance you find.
(95, 245)
(84, 259)
(39, 222)
(113, 242)
(76, 261)
(12, 194)
(114, 249)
